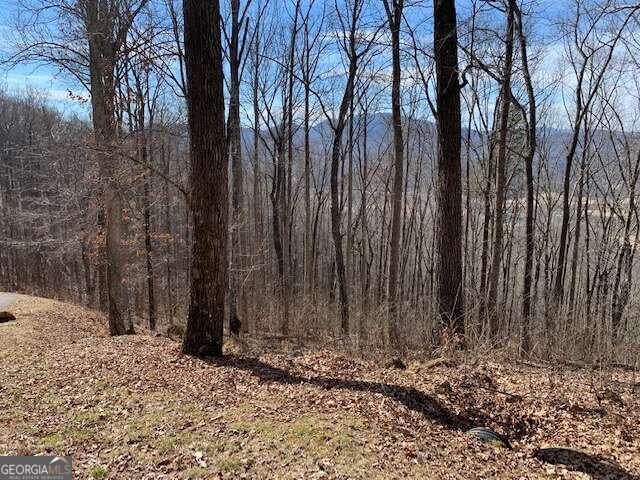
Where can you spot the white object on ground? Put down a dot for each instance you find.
(7, 299)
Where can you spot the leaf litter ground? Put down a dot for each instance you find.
(134, 407)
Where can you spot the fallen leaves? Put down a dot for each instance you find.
(134, 408)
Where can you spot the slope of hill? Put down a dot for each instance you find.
(134, 408)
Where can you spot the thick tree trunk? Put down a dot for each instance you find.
(209, 177)
(338, 131)
(449, 214)
(145, 161)
(278, 199)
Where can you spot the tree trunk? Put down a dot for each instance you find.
(335, 198)
(234, 142)
(394, 16)
(151, 300)
(505, 102)
(102, 53)
(209, 177)
(528, 161)
(449, 213)
(308, 257)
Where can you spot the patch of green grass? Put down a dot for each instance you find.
(52, 441)
(307, 428)
(144, 426)
(264, 427)
(320, 435)
(228, 465)
(137, 432)
(168, 443)
(79, 435)
(300, 441)
(316, 434)
(98, 472)
(70, 435)
(92, 417)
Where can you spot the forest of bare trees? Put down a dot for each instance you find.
(379, 174)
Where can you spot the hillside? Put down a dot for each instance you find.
(133, 407)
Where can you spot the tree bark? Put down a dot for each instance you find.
(505, 102)
(335, 197)
(235, 145)
(102, 57)
(394, 17)
(209, 177)
(449, 213)
(528, 162)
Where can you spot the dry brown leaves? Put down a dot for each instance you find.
(135, 408)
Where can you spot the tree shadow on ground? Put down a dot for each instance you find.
(410, 397)
(428, 406)
(577, 461)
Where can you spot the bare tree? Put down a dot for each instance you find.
(237, 45)
(209, 176)
(449, 243)
(528, 160)
(394, 19)
(91, 59)
(585, 47)
(505, 102)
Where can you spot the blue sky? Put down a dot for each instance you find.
(56, 87)
(41, 78)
